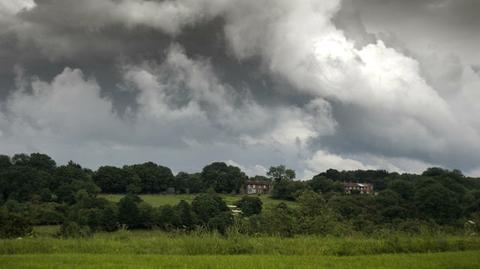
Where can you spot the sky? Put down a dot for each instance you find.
(313, 85)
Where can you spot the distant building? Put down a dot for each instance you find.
(258, 187)
(362, 188)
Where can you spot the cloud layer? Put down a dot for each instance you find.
(254, 83)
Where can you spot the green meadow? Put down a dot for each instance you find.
(157, 249)
(446, 260)
(173, 199)
(202, 249)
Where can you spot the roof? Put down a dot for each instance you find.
(252, 182)
(355, 184)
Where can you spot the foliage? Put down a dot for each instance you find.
(154, 178)
(280, 173)
(73, 230)
(34, 190)
(128, 211)
(288, 189)
(212, 211)
(13, 225)
(250, 205)
(223, 178)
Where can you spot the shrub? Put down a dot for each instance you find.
(13, 225)
(250, 205)
(220, 222)
(73, 230)
(128, 212)
(212, 212)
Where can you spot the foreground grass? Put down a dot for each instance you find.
(156, 242)
(173, 199)
(447, 260)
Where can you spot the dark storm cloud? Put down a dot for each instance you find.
(305, 83)
(98, 46)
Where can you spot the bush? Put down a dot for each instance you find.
(212, 212)
(250, 205)
(13, 225)
(187, 217)
(220, 222)
(73, 230)
(281, 221)
(167, 218)
(128, 211)
(108, 219)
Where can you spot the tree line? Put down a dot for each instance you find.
(35, 191)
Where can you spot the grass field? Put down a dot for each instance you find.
(173, 199)
(157, 249)
(446, 260)
(158, 242)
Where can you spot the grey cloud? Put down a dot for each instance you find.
(307, 83)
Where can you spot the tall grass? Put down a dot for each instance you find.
(448, 260)
(201, 243)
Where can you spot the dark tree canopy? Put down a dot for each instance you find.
(279, 173)
(154, 178)
(223, 178)
(112, 179)
(250, 205)
(35, 191)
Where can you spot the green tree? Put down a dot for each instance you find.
(311, 203)
(281, 220)
(187, 218)
(111, 179)
(223, 178)
(5, 162)
(438, 203)
(154, 178)
(42, 162)
(250, 205)
(220, 222)
(404, 188)
(145, 216)
(128, 212)
(13, 225)
(322, 184)
(288, 189)
(108, 218)
(69, 179)
(212, 211)
(167, 218)
(279, 173)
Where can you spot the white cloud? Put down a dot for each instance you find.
(182, 108)
(185, 90)
(252, 170)
(10, 7)
(411, 115)
(323, 160)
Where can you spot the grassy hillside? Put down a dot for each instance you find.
(450, 260)
(173, 199)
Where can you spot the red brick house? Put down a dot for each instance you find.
(362, 188)
(258, 187)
